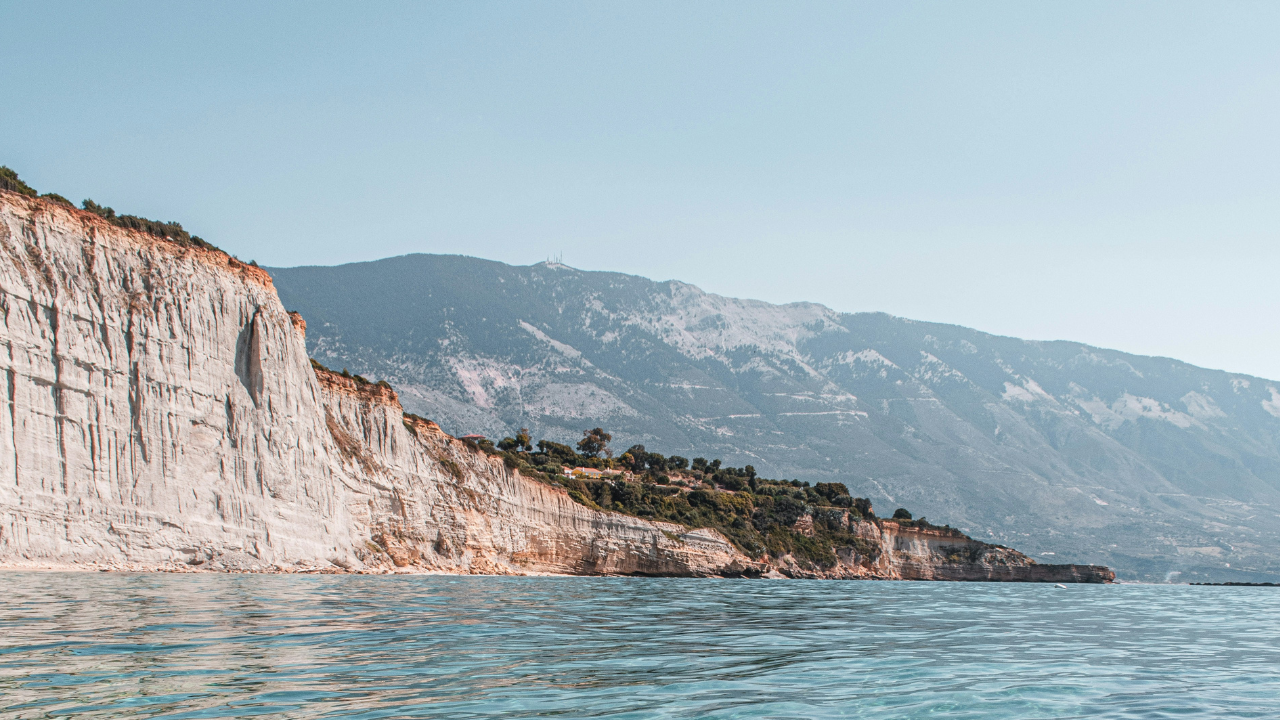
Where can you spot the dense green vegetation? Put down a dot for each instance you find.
(760, 516)
(170, 231)
(58, 199)
(10, 181)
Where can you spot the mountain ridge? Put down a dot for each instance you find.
(163, 415)
(926, 413)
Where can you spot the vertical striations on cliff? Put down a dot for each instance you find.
(160, 405)
(161, 412)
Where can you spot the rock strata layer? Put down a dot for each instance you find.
(162, 414)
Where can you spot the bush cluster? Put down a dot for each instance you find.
(760, 516)
(170, 231)
(759, 521)
(10, 181)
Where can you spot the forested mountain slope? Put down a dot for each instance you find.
(1149, 465)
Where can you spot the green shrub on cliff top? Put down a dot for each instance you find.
(171, 231)
(813, 524)
(58, 199)
(10, 181)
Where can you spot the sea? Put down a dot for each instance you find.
(106, 645)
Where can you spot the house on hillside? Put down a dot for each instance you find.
(592, 473)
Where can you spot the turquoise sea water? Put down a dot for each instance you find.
(87, 645)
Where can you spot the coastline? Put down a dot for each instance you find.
(165, 417)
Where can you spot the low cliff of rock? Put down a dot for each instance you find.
(162, 414)
(904, 552)
(431, 502)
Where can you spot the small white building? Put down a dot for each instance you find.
(592, 473)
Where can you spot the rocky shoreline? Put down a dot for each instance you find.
(164, 416)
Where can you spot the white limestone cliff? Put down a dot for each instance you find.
(162, 412)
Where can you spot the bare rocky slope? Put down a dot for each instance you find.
(162, 413)
(1070, 452)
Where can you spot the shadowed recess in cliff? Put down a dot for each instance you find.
(249, 359)
(244, 469)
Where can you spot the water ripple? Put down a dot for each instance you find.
(157, 646)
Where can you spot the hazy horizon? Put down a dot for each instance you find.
(1104, 174)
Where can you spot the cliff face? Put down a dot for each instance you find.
(1146, 464)
(162, 413)
(431, 502)
(160, 405)
(904, 552)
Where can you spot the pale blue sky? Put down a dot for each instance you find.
(1102, 172)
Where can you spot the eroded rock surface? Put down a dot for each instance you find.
(162, 414)
(1146, 464)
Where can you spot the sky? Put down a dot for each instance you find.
(1101, 172)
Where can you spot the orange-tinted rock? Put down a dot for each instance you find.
(164, 415)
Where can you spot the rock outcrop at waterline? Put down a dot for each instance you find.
(162, 413)
(906, 552)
